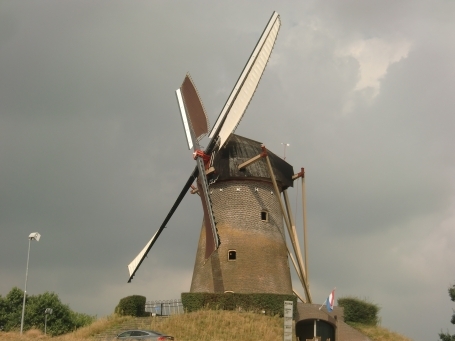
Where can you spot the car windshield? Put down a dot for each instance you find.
(125, 334)
(130, 333)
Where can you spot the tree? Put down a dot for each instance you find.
(11, 309)
(59, 322)
(62, 320)
(444, 336)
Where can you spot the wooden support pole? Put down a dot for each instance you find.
(298, 296)
(298, 252)
(304, 221)
(296, 268)
(291, 235)
(305, 239)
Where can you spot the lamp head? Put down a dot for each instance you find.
(35, 236)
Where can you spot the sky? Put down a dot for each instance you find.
(93, 153)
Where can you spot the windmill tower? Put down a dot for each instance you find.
(253, 254)
(242, 246)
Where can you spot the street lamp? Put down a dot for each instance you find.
(48, 311)
(33, 236)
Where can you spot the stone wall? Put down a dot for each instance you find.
(261, 263)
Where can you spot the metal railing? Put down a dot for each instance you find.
(164, 307)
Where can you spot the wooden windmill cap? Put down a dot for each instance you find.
(240, 149)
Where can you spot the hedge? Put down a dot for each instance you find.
(359, 311)
(132, 306)
(272, 304)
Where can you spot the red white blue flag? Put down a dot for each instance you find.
(329, 302)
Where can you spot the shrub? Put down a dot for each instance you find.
(359, 311)
(447, 336)
(131, 306)
(272, 304)
(61, 321)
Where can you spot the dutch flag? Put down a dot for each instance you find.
(329, 302)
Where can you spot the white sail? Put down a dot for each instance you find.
(132, 267)
(247, 83)
(186, 127)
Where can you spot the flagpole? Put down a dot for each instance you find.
(325, 302)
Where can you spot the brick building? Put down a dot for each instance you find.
(252, 257)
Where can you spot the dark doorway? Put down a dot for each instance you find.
(304, 330)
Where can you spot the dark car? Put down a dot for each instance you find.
(143, 335)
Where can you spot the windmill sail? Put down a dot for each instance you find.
(195, 125)
(194, 108)
(247, 83)
(134, 265)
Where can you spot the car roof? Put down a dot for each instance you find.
(141, 330)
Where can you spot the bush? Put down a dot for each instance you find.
(359, 311)
(447, 336)
(61, 321)
(131, 306)
(272, 304)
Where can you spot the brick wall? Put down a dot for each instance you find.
(261, 263)
(343, 331)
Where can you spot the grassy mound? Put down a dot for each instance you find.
(205, 325)
(378, 333)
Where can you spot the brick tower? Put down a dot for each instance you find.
(252, 256)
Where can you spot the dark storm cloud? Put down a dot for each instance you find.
(93, 153)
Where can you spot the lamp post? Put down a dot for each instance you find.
(33, 236)
(48, 311)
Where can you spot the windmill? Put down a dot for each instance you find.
(242, 246)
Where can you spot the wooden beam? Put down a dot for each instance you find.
(277, 193)
(298, 296)
(299, 175)
(254, 159)
(296, 267)
(298, 252)
(250, 161)
(305, 246)
(194, 190)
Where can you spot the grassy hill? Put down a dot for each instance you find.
(202, 326)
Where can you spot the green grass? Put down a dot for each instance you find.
(205, 325)
(378, 333)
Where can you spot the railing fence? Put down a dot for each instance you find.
(164, 307)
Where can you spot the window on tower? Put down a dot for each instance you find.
(232, 255)
(265, 216)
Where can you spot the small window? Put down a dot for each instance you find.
(265, 216)
(232, 255)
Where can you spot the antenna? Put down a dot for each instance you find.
(284, 151)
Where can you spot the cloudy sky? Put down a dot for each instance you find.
(93, 154)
